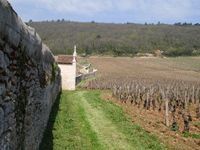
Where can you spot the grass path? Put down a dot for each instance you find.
(85, 121)
(104, 128)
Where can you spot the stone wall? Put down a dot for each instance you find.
(86, 76)
(30, 81)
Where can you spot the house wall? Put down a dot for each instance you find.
(68, 73)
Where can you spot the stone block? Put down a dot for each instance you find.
(1, 121)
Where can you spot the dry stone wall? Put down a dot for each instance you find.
(30, 81)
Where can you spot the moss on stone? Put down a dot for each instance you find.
(53, 71)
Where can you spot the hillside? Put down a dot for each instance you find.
(119, 39)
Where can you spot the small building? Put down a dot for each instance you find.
(67, 64)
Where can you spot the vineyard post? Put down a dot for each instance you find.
(165, 96)
(185, 98)
(198, 109)
(193, 94)
(147, 100)
(167, 112)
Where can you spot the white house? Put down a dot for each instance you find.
(67, 64)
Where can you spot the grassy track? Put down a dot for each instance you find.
(84, 121)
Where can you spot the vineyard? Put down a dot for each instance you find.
(162, 95)
(176, 99)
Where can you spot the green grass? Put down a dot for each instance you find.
(197, 124)
(135, 135)
(84, 121)
(71, 129)
(192, 135)
(83, 82)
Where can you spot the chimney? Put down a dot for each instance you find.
(74, 54)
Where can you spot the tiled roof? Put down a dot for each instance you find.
(64, 59)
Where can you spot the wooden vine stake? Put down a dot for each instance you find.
(167, 112)
(166, 108)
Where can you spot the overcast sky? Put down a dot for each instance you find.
(117, 11)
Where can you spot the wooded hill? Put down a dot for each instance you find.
(119, 39)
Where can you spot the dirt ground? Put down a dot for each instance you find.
(183, 68)
(180, 68)
(153, 122)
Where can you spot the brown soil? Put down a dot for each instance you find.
(153, 122)
(184, 69)
(145, 68)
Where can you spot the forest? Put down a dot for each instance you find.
(128, 39)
